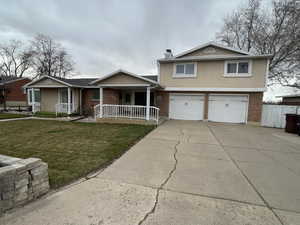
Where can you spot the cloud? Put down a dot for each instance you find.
(104, 36)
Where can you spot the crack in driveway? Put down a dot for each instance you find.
(152, 211)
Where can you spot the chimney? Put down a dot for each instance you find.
(168, 54)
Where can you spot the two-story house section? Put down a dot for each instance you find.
(212, 82)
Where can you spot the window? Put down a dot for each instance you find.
(185, 70)
(37, 95)
(237, 68)
(64, 95)
(96, 94)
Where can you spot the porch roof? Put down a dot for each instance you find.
(56, 82)
(141, 79)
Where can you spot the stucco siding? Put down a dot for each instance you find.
(210, 74)
(122, 78)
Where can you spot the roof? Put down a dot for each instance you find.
(88, 82)
(151, 77)
(127, 73)
(289, 96)
(77, 81)
(211, 43)
(9, 79)
(214, 57)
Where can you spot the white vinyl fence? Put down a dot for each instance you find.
(274, 115)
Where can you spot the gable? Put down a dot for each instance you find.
(122, 78)
(47, 82)
(210, 50)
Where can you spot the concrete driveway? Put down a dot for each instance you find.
(185, 173)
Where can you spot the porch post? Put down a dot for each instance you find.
(69, 101)
(33, 100)
(148, 104)
(101, 101)
(80, 101)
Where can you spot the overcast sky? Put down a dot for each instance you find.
(103, 36)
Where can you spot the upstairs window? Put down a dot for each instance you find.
(237, 68)
(185, 70)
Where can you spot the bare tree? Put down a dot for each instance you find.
(256, 30)
(15, 59)
(50, 58)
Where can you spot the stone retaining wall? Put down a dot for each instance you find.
(21, 180)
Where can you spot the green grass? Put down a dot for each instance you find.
(50, 114)
(4, 116)
(71, 149)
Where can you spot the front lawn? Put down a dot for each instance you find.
(4, 116)
(71, 149)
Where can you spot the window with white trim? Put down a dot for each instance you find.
(237, 68)
(185, 70)
(37, 95)
(64, 95)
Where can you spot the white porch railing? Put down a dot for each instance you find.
(126, 111)
(63, 108)
(36, 107)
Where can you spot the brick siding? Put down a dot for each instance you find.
(255, 107)
(162, 102)
(110, 96)
(15, 90)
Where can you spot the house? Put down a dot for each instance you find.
(11, 91)
(292, 99)
(210, 82)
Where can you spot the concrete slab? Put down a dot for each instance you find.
(179, 209)
(252, 137)
(92, 202)
(288, 218)
(235, 136)
(148, 163)
(248, 155)
(278, 186)
(215, 178)
(202, 151)
(289, 160)
(165, 134)
(205, 138)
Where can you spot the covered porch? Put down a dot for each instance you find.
(135, 103)
(135, 98)
(54, 95)
(58, 100)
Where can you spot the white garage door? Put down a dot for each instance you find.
(228, 108)
(186, 107)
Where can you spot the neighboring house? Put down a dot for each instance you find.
(211, 82)
(11, 91)
(293, 99)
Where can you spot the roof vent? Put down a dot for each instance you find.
(168, 54)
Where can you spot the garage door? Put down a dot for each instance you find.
(228, 108)
(186, 107)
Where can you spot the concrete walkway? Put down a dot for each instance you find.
(185, 173)
(13, 119)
